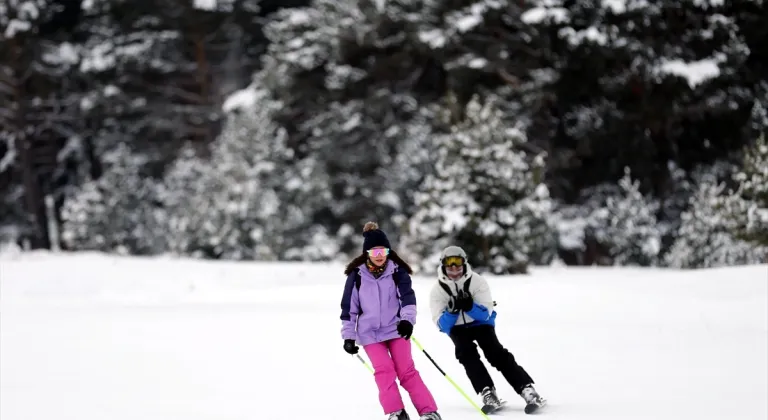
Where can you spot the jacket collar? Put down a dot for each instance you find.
(390, 268)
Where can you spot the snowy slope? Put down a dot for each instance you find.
(90, 337)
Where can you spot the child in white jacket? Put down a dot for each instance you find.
(462, 307)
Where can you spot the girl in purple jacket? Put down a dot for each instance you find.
(378, 310)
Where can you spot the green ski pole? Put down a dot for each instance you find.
(364, 362)
(455, 385)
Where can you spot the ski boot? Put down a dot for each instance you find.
(533, 400)
(491, 402)
(430, 416)
(399, 415)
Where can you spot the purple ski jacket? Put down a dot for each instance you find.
(370, 315)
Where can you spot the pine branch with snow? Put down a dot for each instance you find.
(20, 16)
(310, 38)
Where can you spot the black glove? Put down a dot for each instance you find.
(405, 329)
(464, 302)
(452, 308)
(350, 347)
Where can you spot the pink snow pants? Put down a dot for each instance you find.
(400, 365)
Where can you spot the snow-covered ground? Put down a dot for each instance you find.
(91, 337)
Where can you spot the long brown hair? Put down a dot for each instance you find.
(362, 258)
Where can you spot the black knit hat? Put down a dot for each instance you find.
(374, 237)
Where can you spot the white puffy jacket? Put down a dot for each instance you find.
(478, 288)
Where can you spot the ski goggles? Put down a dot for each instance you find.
(453, 261)
(378, 252)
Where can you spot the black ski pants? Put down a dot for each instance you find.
(464, 338)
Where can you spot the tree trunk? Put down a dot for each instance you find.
(34, 203)
(203, 79)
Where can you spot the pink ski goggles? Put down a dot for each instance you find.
(378, 252)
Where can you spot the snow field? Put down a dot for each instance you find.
(92, 337)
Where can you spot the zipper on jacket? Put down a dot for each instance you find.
(378, 293)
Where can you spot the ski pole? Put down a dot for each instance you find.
(364, 362)
(455, 385)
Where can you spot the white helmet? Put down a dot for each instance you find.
(453, 251)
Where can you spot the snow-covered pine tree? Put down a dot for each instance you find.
(610, 223)
(626, 224)
(641, 82)
(244, 202)
(38, 116)
(485, 194)
(480, 45)
(120, 212)
(706, 235)
(348, 79)
(217, 208)
(158, 72)
(184, 193)
(752, 215)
